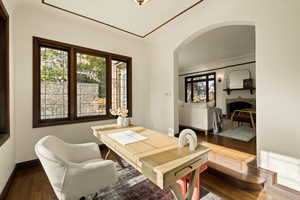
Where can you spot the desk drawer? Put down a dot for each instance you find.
(184, 170)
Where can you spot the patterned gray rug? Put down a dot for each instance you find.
(243, 133)
(134, 186)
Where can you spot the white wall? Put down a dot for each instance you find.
(277, 66)
(221, 73)
(7, 150)
(56, 25)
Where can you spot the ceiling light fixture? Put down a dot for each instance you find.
(141, 2)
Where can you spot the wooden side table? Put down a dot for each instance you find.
(251, 112)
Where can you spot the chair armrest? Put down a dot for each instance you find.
(84, 179)
(84, 152)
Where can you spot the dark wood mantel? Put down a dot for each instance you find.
(228, 90)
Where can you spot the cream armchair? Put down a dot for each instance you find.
(74, 170)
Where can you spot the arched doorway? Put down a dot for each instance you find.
(219, 49)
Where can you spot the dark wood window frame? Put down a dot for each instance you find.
(72, 82)
(207, 79)
(4, 75)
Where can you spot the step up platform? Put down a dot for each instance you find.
(234, 165)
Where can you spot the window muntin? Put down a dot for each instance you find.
(74, 101)
(54, 83)
(4, 75)
(200, 88)
(91, 85)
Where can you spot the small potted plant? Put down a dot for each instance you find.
(122, 114)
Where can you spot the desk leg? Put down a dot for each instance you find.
(177, 191)
(252, 120)
(119, 160)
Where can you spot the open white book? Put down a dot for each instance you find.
(127, 137)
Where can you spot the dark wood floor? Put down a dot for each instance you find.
(32, 184)
(248, 147)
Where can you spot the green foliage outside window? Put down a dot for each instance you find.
(90, 69)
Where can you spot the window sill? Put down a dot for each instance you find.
(3, 138)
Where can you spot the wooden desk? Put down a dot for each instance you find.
(158, 157)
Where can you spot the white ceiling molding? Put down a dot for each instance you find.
(219, 63)
(126, 15)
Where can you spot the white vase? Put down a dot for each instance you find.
(126, 122)
(120, 121)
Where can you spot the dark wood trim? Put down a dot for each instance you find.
(228, 90)
(3, 137)
(9, 182)
(66, 46)
(120, 29)
(215, 69)
(4, 74)
(72, 80)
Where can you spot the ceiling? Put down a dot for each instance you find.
(218, 44)
(126, 15)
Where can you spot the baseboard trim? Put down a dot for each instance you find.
(9, 182)
(287, 189)
(18, 166)
(27, 164)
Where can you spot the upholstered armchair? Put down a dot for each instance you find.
(74, 170)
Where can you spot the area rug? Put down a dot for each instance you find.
(243, 133)
(134, 186)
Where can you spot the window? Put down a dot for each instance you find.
(4, 74)
(73, 84)
(200, 88)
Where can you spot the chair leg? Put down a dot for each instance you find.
(95, 196)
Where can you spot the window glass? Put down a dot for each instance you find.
(189, 92)
(199, 92)
(119, 84)
(199, 78)
(211, 76)
(211, 90)
(91, 85)
(54, 83)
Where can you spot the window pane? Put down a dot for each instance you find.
(54, 83)
(211, 76)
(119, 84)
(199, 78)
(91, 85)
(211, 90)
(189, 92)
(199, 90)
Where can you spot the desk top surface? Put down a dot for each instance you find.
(158, 149)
